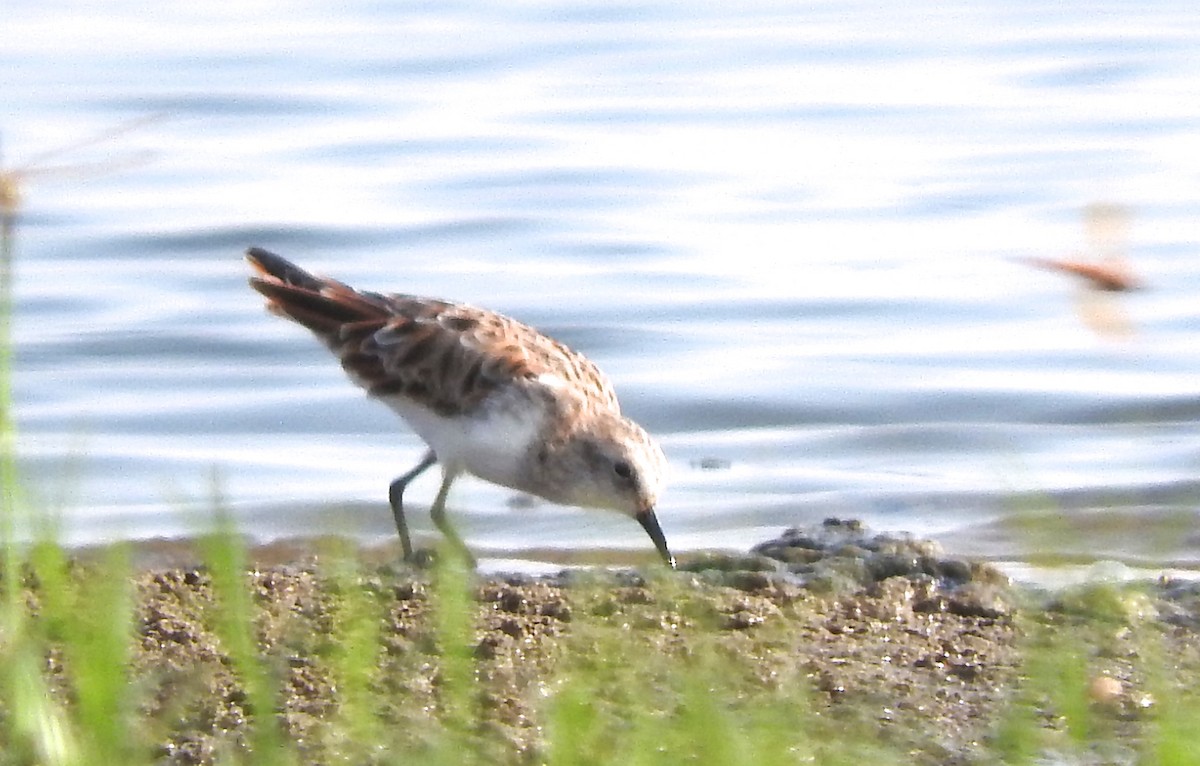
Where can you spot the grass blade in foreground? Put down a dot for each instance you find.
(233, 622)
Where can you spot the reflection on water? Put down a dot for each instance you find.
(791, 235)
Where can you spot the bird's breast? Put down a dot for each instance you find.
(490, 441)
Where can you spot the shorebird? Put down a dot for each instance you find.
(490, 396)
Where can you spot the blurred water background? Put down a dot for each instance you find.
(789, 231)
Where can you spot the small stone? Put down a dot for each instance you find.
(1105, 690)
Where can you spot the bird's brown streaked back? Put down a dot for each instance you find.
(445, 356)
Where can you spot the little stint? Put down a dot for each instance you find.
(489, 396)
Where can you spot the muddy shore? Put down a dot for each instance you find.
(926, 652)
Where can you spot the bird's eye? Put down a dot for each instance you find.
(623, 469)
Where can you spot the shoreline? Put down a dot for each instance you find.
(875, 635)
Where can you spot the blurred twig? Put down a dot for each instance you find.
(12, 181)
(1106, 230)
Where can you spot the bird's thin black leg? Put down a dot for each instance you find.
(396, 498)
(438, 513)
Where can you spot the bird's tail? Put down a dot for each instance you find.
(322, 305)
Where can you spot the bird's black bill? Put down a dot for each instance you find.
(649, 523)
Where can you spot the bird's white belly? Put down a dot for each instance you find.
(491, 445)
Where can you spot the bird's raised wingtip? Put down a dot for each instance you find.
(264, 260)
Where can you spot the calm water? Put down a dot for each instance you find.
(790, 234)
